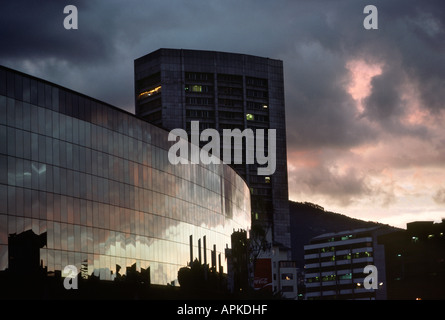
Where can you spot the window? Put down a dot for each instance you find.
(256, 82)
(198, 101)
(249, 117)
(287, 276)
(256, 93)
(197, 88)
(330, 277)
(149, 93)
(267, 179)
(198, 76)
(347, 276)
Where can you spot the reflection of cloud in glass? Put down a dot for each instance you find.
(98, 181)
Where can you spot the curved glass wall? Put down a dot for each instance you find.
(96, 182)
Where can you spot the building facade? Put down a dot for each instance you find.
(220, 90)
(335, 265)
(276, 274)
(415, 261)
(94, 184)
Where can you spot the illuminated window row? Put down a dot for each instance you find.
(149, 93)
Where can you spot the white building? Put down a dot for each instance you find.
(335, 262)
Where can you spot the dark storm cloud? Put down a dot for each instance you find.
(409, 43)
(315, 39)
(413, 38)
(34, 30)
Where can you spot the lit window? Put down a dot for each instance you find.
(149, 93)
(265, 106)
(197, 88)
(249, 116)
(287, 276)
(267, 179)
(347, 276)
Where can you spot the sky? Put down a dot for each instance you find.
(364, 108)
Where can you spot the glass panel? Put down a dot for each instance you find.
(3, 229)
(3, 82)
(26, 145)
(56, 211)
(10, 84)
(48, 96)
(27, 203)
(35, 204)
(18, 88)
(3, 257)
(50, 262)
(11, 142)
(55, 98)
(42, 206)
(55, 126)
(34, 146)
(11, 202)
(41, 93)
(3, 139)
(12, 225)
(18, 114)
(19, 201)
(64, 236)
(3, 198)
(70, 239)
(34, 91)
(49, 206)
(4, 169)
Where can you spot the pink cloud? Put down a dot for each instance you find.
(397, 178)
(361, 75)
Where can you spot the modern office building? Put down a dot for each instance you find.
(335, 264)
(415, 261)
(84, 183)
(174, 87)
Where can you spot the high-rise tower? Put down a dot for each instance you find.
(174, 87)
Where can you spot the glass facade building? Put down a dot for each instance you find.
(96, 182)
